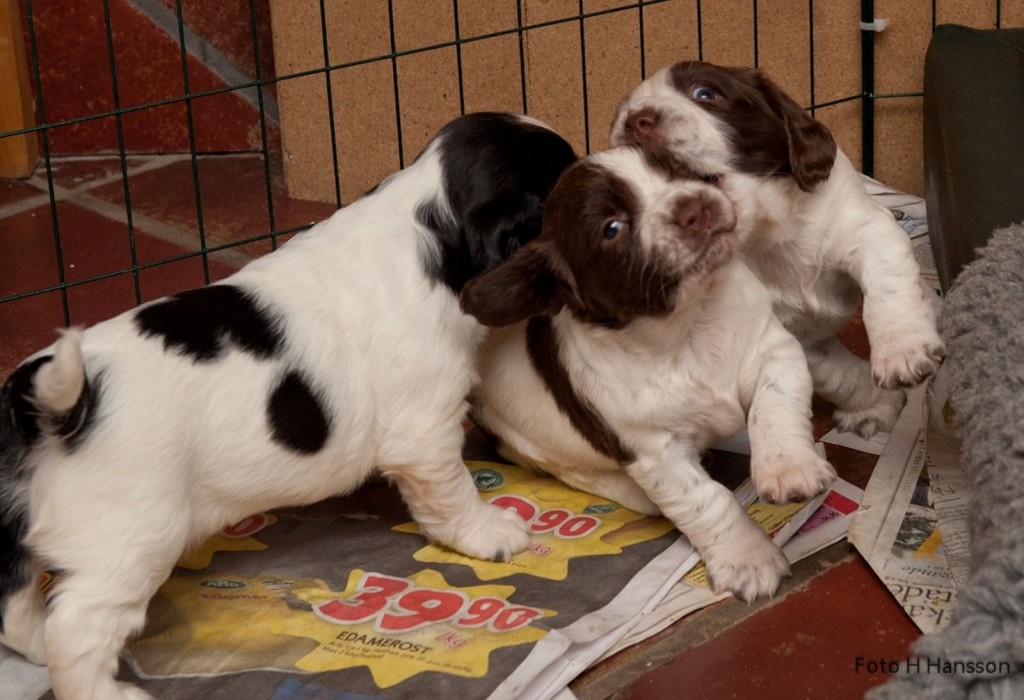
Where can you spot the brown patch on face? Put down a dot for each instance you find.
(591, 220)
(592, 259)
(771, 134)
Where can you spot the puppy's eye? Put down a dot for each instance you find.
(613, 228)
(703, 93)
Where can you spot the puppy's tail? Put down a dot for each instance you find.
(58, 384)
(51, 394)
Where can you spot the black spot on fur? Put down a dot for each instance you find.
(199, 322)
(15, 400)
(543, 348)
(14, 559)
(19, 430)
(497, 171)
(298, 418)
(75, 425)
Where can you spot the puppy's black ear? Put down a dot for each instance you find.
(812, 150)
(525, 285)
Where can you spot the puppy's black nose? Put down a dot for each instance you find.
(641, 123)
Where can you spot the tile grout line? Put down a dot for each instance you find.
(156, 228)
(211, 58)
(61, 194)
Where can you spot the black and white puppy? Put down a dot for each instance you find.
(634, 339)
(341, 355)
(820, 244)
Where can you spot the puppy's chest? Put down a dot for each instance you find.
(677, 394)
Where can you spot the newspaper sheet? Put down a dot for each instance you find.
(800, 529)
(912, 526)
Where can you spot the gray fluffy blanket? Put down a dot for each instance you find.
(982, 323)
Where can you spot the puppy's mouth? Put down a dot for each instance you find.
(714, 252)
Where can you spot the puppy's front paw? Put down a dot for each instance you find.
(750, 566)
(902, 359)
(787, 478)
(495, 534)
(878, 417)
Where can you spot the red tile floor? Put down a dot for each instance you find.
(802, 644)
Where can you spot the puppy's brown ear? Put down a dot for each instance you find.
(522, 286)
(812, 150)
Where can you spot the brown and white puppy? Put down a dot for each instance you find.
(820, 244)
(633, 340)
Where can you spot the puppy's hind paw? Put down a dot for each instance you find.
(749, 573)
(878, 417)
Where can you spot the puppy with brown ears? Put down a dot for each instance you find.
(629, 340)
(820, 244)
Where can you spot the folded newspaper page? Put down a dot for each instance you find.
(800, 529)
(912, 526)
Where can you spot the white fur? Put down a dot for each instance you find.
(669, 387)
(181, 449)
(817, 252)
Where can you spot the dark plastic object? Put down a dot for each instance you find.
(973, 140)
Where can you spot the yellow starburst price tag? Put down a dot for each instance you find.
(398, 627)
(233, 538)
(565, 524)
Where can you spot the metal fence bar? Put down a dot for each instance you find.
(583, 71)
(458, 58)
(254, 25)
(867, 76)
(810, 52)
(757, 56)
(325, 43)
(700, 33)
(121, 151)
(196, 187)
(394, 81)
(45, 144)
(643, 48)
(520, 31)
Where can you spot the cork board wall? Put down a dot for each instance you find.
(400, 69)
